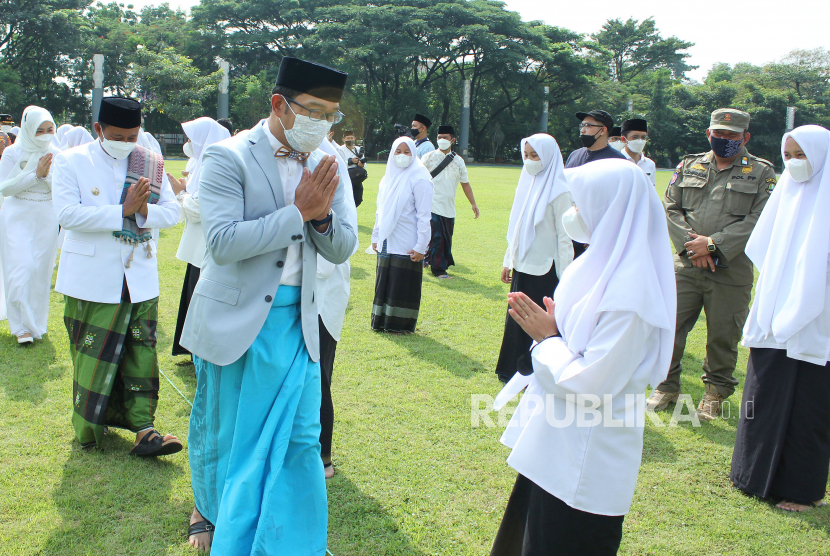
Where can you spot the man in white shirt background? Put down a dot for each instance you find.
(634, 136)
(447, 170)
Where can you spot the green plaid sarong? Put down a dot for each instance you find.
(116, 379)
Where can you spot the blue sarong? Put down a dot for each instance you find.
(254, 443)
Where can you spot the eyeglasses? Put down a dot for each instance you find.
(319, 115)
(583, 125)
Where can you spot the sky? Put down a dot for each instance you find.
(757, 32)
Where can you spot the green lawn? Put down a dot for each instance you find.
(413, 477)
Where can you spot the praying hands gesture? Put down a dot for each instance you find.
(535, 321)
(316, 191)
(137, 196)
(43, 165)
(178, 185)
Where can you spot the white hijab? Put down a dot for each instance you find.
(76, 137)
(791, 242)
(60, 136)
(394, 186)
(33, 117)
(628, 266)
(202, 133)
(534, 194)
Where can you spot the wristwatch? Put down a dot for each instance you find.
(710, 245)
(325, 220)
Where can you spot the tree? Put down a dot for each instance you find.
(168, 84)
(633, 48)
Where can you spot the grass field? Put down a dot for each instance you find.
(413, 476)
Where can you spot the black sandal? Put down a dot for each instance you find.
(200, 527)
(148, 448)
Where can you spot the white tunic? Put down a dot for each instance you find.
(809, 344)
(446, 183)
(646, 165)
(550, 244)
(590, 468)
(412, 230)
(28, 247)
(291, 172)
(87, 195)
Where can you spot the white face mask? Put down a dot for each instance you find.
(402, 160)
(5, 128)
(444, 145)
(637, 145)
(44, 140)
(533, 167)
(617, 145)
(799, 168)
(575, 226)
(117, 149)
(307, 134)
(188, 149)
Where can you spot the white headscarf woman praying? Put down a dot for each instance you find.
(782, 449)
(29, 238)
(577, 434)
(401, 237)
(201, 132)
(538, 248)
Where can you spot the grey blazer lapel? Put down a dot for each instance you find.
(264, 155)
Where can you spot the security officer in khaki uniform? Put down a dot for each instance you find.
(712, 203)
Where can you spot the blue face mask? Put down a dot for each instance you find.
(726, 148)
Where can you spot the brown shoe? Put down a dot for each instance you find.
(709, 407)
(659, 400)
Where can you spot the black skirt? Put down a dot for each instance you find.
(397, 293)
(328, 347)
(537, 523)
(782, 448)
(191, 276)
(515, 341)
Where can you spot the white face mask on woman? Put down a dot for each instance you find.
(117, 149)
(533, 167)
(44, 140)
(575, 226)
(799, 168)
(402, 160)
(188, 149)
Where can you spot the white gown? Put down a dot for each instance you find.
(28, 248)
(2, 288)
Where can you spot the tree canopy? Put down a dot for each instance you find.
(402, 56)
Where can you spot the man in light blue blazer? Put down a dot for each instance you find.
(269, 202)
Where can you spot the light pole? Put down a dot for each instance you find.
(224, 97)
(97, 87)
(464, 134)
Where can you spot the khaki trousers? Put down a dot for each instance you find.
(726, 310)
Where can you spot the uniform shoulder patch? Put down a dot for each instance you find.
(763, 161)
(771, 184)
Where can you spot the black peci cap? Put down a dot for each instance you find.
(312, 79)
(120, 112)
(601, 116)
(423, 119)
(616, 131)
(634, 124)
(446, 130)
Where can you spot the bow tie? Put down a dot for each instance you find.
(285, 152)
